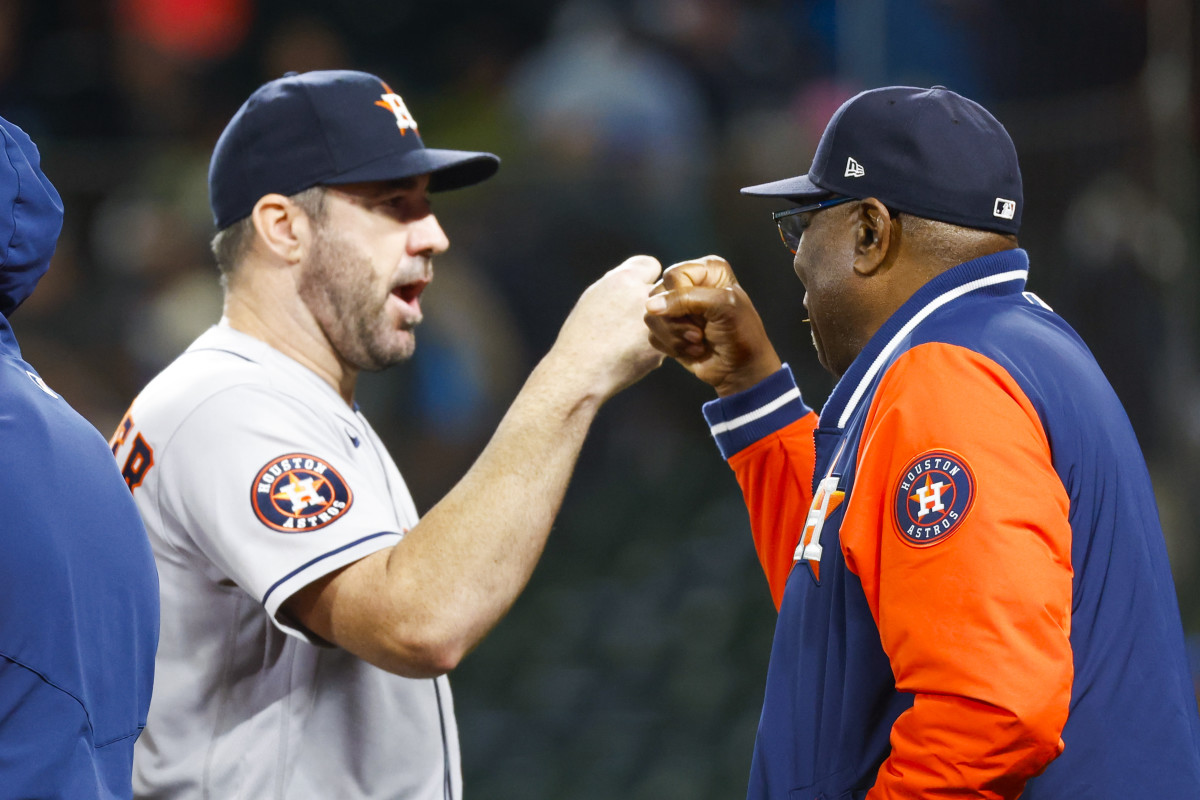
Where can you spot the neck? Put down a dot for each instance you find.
(288, 326)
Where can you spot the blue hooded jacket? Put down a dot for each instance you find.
(78, 586)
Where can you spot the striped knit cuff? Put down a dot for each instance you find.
(741, 419)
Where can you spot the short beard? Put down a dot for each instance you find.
(337, 286)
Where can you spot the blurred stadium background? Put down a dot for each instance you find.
(633, 666)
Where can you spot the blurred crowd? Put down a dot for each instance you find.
(634, 664)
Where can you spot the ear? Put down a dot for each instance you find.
(873, 236)
(282, 227)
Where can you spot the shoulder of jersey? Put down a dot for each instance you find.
(1023, 323)
(192, 379)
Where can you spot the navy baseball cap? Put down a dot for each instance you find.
(927, 152)
(326, 127)
(31, 214)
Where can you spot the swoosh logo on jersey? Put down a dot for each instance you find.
(41, 384)
(353, 438)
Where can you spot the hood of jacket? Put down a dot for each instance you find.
(31, 214)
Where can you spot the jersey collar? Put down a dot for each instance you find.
(998, 274)
(223, 336)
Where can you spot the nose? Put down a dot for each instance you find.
(426, 237)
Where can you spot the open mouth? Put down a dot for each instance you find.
(410, 292)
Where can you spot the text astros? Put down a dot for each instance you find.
(299, 492)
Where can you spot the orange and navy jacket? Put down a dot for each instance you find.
(973, 589)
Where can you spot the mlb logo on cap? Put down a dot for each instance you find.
(927, 152)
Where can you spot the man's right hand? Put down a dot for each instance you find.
(603, 343)
(700, 316)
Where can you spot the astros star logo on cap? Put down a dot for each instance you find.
(394, 103)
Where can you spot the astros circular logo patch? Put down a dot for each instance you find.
(933, 496)
(299, 492)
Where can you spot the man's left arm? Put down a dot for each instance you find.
(958, 529)
(766, 435)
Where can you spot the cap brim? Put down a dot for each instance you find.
(798, 188)
(449, 169)
(455, 169)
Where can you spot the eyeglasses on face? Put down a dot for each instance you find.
(791, 224)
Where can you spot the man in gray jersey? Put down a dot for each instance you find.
(308, 616)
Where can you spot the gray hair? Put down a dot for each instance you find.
(231, 243)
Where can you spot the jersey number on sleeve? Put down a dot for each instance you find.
(141, 455)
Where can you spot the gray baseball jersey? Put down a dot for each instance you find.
(254, 478)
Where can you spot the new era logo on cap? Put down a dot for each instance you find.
(933, 153)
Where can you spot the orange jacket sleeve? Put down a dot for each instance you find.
(775, 475)
(976, 624)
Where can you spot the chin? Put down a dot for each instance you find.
(378, 355)
(392, 357)
(382, 363)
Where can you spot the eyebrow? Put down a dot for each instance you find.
(375, 191)
(399, 185)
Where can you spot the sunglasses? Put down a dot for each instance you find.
(791, 224)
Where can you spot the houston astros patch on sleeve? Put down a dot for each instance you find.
(933, 496)
(299, 492)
